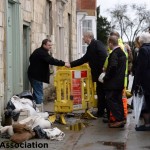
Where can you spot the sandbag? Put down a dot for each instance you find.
(21, 137)
(26, 94)
(20, 128)
(22, 133)
(39, 132)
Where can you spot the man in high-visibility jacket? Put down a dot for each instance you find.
(120, 43)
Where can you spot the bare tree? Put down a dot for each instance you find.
(130, 20)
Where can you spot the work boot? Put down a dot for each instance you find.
(117, 124)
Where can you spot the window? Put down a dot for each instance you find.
(48, 18)
(87, 25)
(60, 13)
(60, 31)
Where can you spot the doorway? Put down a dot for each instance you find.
(26, 54)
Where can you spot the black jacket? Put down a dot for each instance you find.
(95, 56)
(115, 72)
(142, 72)
(39, 65)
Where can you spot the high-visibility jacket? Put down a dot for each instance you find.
(120, 43)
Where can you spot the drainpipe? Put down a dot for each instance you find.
(1, 106)
(0, 111)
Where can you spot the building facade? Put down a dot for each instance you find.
(23, 26)
(86, 21)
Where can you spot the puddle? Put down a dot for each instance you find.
(117, 145)
(146, 147)
(76, 124)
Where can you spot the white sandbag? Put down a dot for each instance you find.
(23, 104)
(7, 129)
(33, 121)
(55, 134)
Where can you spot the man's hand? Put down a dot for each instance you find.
(124, 92)
(67, 64)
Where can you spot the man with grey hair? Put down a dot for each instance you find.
(95, 55)
(144, 38)
(142, 78)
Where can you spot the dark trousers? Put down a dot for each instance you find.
(115, 104)
(101, 98)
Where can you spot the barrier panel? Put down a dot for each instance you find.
(74, 89)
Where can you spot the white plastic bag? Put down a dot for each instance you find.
(138, 101)
(55, 134)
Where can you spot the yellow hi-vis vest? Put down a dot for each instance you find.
(120, 43)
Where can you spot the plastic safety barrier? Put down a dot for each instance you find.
(74, 89)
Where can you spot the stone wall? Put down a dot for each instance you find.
(34, 13)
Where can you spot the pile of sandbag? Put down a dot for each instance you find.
(19, 133)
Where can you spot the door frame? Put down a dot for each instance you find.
(16, 47)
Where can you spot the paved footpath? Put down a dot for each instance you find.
(95, 136)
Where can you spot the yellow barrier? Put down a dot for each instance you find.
(74, 89)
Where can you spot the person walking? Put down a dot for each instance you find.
(38, 70)
(95, 55)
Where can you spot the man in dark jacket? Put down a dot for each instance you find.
(114, 81)
(95, 55)
(142, 78)
(38, 71)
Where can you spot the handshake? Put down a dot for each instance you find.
(67, 64)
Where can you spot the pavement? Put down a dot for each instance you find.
(95, 135)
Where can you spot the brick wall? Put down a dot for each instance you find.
(87, 5)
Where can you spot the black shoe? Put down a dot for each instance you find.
(97, 114)
(142, 128)
(105, 120)
(105, 115)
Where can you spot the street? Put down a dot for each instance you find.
(96, 135)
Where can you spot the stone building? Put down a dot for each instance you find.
(23, 25)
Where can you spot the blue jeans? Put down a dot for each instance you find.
(37, 90)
